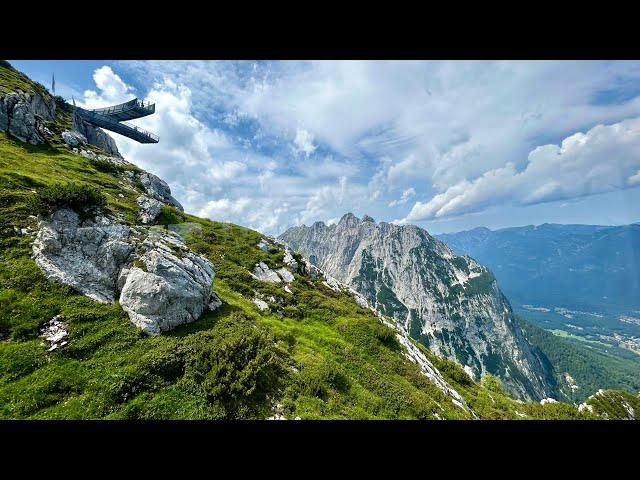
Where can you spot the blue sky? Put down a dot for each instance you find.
(444, 145)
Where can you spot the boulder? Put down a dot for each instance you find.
(263, 273)
(285, 275)
(161, 284)
(86, 255)
(164, 290)
(150, 208)
(261, 304)
(73, 139)
(158, 189)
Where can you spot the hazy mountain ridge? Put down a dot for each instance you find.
(573, 266)
(451, 304)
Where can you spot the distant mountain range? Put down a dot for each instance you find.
(583, 267)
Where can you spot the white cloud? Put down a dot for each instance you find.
(304, 142)
(601, 160)
(408, 193)
(113, 89)
(452, 131)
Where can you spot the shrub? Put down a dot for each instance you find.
(106, 166)
(81, 198)
(236, 365)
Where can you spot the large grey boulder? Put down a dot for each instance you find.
(86, 255)
(160, 283)
(165, 288)
(158, 189)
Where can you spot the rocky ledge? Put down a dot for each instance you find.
(159, 282)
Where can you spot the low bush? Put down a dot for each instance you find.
(83, 199)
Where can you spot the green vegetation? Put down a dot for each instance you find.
(80, 198)
(591, 369)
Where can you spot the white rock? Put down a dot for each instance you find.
(290, 261)
(544, 401)
(73, 139)
(55, 332)
(158, 189)
(263, 273)
(162, 283)
(261, 304)
(150, 208)
(287, 289)
(286, 275)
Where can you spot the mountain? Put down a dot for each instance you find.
(116, 304)
(580, 267)
(451, 304)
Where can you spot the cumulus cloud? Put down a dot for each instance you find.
(605, 158)
(461, 134)
(112, 88)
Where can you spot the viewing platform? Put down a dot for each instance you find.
(112, 118)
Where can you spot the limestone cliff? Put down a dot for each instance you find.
(449, 303)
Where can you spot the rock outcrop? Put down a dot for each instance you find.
(22, 115)
(449, 303)
(95, 136)
(159, 282)
(150, 208)
(158, 189)
(73, 139)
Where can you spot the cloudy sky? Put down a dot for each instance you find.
(444, 145)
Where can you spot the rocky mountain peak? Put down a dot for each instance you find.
(450, 303)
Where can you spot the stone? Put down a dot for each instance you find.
(150, 208)
(263, 273)
(161, 284)
(158, 189)
(263, 245)
(166, 290)
(261, 304)
(214, 302)
(73, 139)
(22, 115)
(55, 332)
(290, 261)
(285, 274)
(95, 136)
(86, 255)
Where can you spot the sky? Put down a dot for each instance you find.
(446, 145)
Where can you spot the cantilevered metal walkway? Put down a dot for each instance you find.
(112, 118)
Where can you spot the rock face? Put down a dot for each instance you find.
(150, 208)
(450, 304)
(161, 284)
(95, 136)
(22, 115)
(158, 189)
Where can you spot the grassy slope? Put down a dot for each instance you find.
(317, 353)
